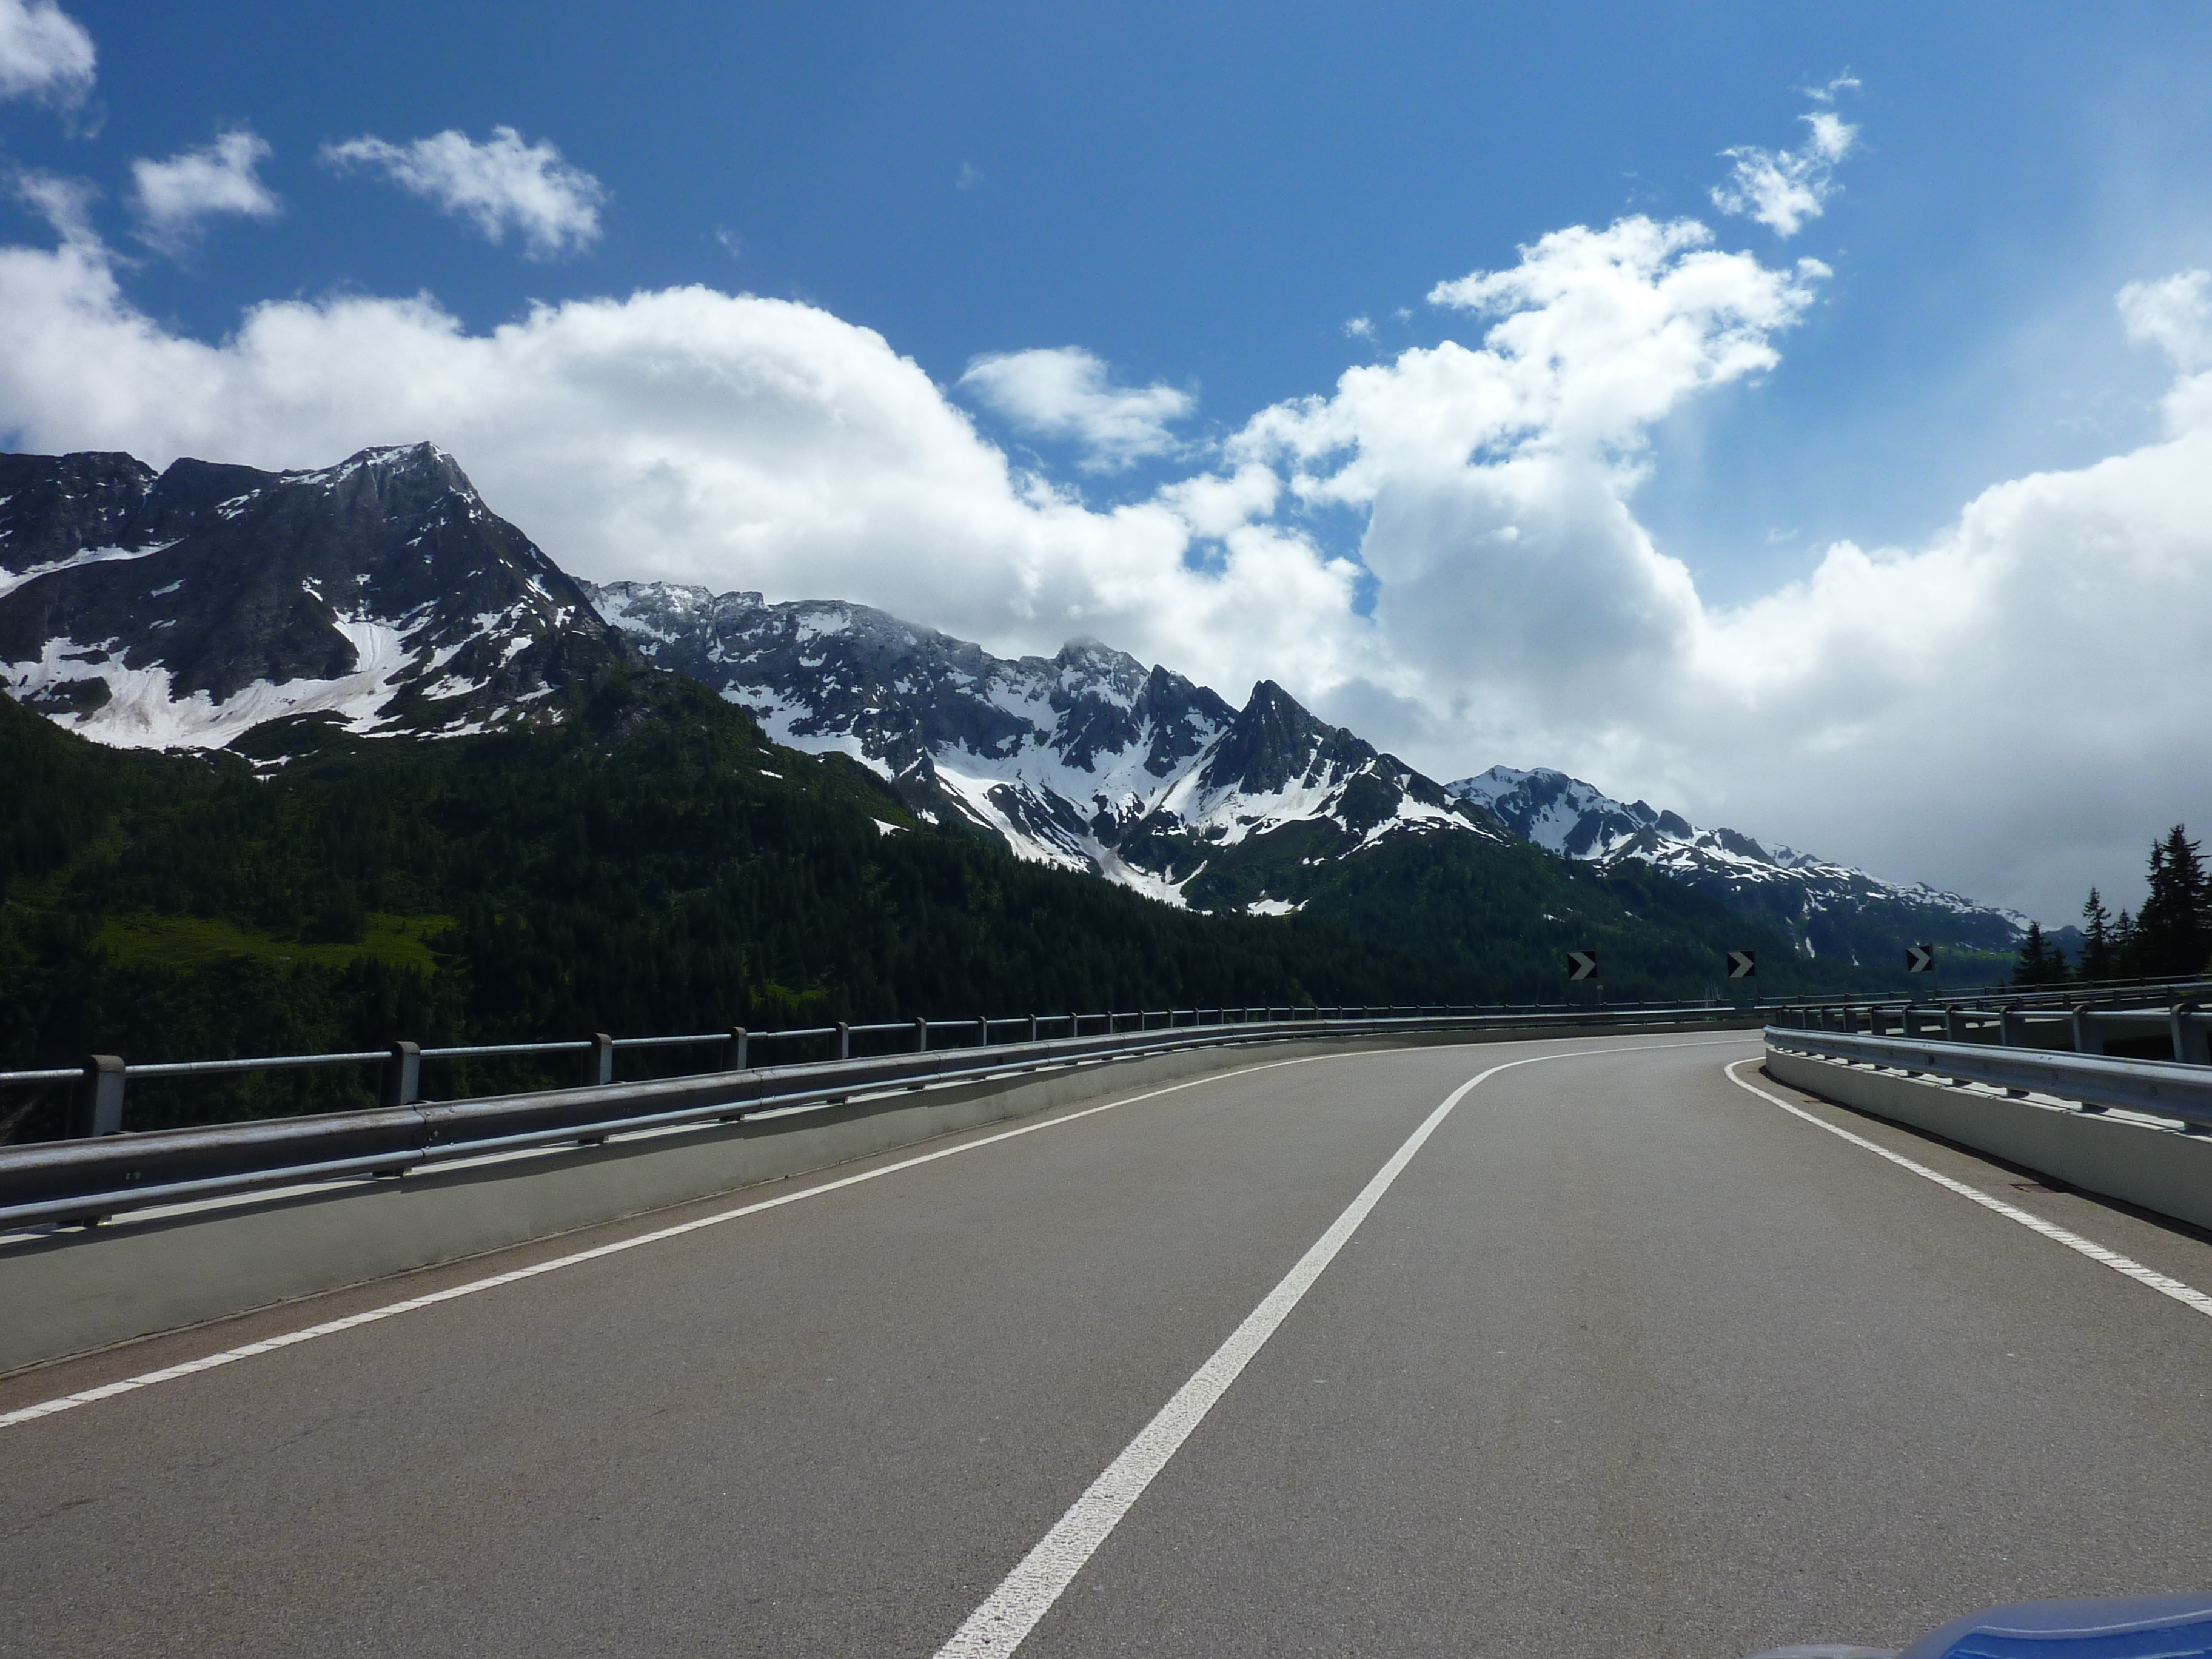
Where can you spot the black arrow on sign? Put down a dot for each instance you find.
(1919, 958)
(1582, 964)
(1743, 964)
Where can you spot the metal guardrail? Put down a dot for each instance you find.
(2168, 1089)
(89, 1179)
(2097, 992)
(2183, 1026)
(99, 1108)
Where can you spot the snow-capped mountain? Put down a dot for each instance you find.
(1086, 759)
(1830, 910)
(186, 608)
(382, 595)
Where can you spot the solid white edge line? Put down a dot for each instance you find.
(369, 1317)
(1010, 1612)
(2188, 1295)
(269, 1345)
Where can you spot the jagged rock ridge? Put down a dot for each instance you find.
(185, 608)
(1086, 759)
(1828, 908)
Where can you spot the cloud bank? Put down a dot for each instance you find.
(499, 185)
(2008, 708)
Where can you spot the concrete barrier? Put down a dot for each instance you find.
(2158, 1168)
(69, 1290)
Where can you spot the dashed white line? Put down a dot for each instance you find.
(2188, 1295)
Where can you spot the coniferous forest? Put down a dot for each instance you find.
(2169, 937)
(653, 865)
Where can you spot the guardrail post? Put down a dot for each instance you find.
(920, 1034)
(733, 1050)
(2012, 1028)
(1954, 1024)
(844, 1039)
(2190, 1043)
(402, 1082)
(100, 1111)
(598, 1067)
(2087, 1039)
(983, 1031)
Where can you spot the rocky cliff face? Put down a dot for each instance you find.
(187, 608)
(1086, 758)
(1830, 910)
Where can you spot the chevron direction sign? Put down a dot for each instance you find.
(1743, 964)
(1582, 964)
(1919, 958)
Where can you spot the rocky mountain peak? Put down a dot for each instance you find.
(380, 592)
(1085, 758)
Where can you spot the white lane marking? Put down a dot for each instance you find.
(369, 1317)
(2188, 1295)
(330, 1327)
(1007, 1615)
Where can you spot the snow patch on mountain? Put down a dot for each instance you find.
(380, 593)
(1085, 760)
(1831, 908)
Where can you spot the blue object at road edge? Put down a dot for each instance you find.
(2130, 1628)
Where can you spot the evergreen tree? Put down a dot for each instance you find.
(2127, 947)
(2098, 955)
(2040, 962)
(2170, 931)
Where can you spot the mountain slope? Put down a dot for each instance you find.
(1827, 909)
(186, 608)
(650, 864)
(1086, 760)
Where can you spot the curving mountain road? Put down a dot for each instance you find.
(1626, 1360)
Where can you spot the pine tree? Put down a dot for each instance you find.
(2098, 956)
(2127, 947)
(2170, 931)
(2040, 962)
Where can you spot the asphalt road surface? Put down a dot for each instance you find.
(1626, 1363)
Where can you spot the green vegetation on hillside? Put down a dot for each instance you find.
(655, 865)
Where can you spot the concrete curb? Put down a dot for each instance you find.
(2155, 1168)
(68, 1291)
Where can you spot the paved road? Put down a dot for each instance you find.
(1627, 1362)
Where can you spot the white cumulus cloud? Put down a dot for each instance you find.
(44, 53)
(2008, 707)
(1783, 189)
(498, 185)
(1066, 392)
(175, 198)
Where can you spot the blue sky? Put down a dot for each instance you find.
(1203, 199)
(1207, 199)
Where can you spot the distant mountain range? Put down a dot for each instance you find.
(215, 605)
(1086, 759)
(1828, 910)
